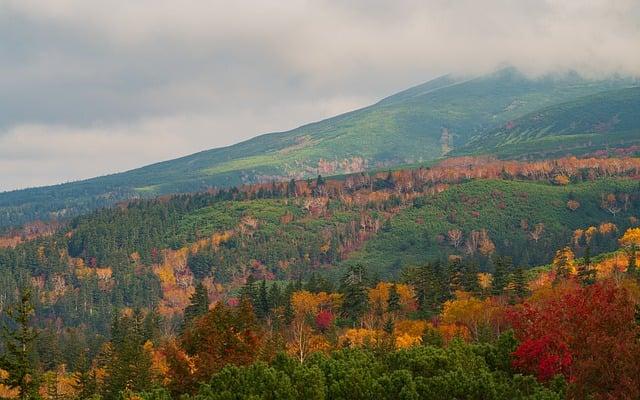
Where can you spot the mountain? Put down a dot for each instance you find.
(602, 120)
(417, 125)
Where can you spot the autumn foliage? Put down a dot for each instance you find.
(587, 334)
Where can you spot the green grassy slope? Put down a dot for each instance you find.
(417, 125)
(419, 234)
(597, 121)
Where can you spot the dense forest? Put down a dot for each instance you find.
(447, 281)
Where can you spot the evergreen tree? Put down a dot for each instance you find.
(586, 273)
(199, 304)
(354, 290)
(129, 366)
(499, 281)
(263, 307)
(470, 277)
(520, 283)
(18, 341)
(393, 302)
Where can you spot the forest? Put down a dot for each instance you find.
(448, 281)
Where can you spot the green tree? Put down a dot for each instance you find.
(19, 338)
(520, 283)
(353, 287)
(393, 302)
(199, 304)
(499, 280)
(586, 273)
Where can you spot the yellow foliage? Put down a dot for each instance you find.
(359, 337)
(405, 341)
(380, 295)
(5, 391)
(410, 327)
(561, 180)
(565, 259)
(631, 237)
(484, 280)
(472, 312)
(451, 331)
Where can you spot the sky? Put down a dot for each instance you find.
(91, 87)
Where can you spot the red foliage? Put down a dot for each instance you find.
(545, 357)
(588, 334)
(324, 320)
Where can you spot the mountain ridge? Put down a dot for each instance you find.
(417, 125)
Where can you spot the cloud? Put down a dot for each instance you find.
(191, 75)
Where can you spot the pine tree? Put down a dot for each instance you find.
(520, 283)
(354, 290)
(18, 340)
(586, 274)
(129, 366)
(470, 277)
(199, 304)
(263, 306)
(393, 302)
(500, 274)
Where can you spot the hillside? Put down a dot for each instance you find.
(417, 125)
(595, 122)
(289, 274)
(481, 217)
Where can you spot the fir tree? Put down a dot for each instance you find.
(586, 274)
(500, 275)
(199, 304)
(18, 341)
(393, 302)
(520, 283)
(354, 290)
(632, 269)
(263, 307)
(470, 277)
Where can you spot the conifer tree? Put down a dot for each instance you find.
(199, 304)
(500, 275)
(263, 306)
(354, 290)
(586, 274)
(393, 302)
(470, 277)
(520, 283)
(18, 341)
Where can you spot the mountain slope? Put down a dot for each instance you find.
(417, 125)
(597, 121)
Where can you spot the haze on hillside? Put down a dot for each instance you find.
(95, 87)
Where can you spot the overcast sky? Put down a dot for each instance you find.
(90, 87)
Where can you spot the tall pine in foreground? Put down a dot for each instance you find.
(354, 290)
(18, 340)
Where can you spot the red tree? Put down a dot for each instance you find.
(588, 334)
(324, 319)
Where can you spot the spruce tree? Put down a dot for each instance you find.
(586, 274)
(520, 283)
(470, 277)
(199, 304)
(263, 307)
(393, 302)
(18, 341)
(500, 275)
(354, 290)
